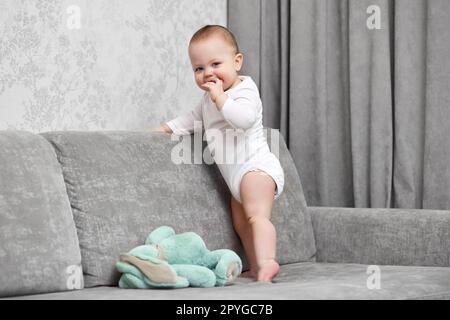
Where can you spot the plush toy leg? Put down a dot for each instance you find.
(129, 281)
(228, 267)
(145, 252)
(131, 277)
(197, 276)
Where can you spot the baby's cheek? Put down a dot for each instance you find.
(220, 75)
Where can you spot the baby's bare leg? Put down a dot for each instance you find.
(257, 195)
(242, 228)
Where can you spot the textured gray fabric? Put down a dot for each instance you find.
(382, 236)
(39, 249)
(263, 38)
(122, 185)
(105, 73)
(365, 111)
(299, 281)
(422, 100)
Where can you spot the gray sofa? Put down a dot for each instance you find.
(71, 202)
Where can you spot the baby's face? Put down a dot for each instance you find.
(213, 58)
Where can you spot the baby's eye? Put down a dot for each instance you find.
(216, 64)
(198, 69)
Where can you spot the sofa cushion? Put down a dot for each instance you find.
(39, 249)
(310, 281)
(388, 236)
(122, 185)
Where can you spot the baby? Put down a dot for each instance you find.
(232, 105)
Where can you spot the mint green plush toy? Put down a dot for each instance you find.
(169, 260)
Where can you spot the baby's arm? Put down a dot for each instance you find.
(182, 125)
(241, 112)
(164, 128)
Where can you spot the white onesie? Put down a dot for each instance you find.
(235, 135)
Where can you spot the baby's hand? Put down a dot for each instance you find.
(164, 128)
(215, 88)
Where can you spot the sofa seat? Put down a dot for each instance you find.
(307, 280)
(72, 202)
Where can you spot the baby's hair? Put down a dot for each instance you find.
(215, 29)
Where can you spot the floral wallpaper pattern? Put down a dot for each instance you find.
(98, 64)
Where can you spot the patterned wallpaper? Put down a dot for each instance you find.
(98, 64)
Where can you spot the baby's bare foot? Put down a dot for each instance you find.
(268, 270)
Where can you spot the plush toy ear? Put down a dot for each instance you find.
(156, 272)
(159, 234)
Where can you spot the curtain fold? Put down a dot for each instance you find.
(365, 112)
(436, 156)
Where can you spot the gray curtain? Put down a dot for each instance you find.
(366, 113)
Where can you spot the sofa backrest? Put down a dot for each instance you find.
(122, 185)
(39, 250)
